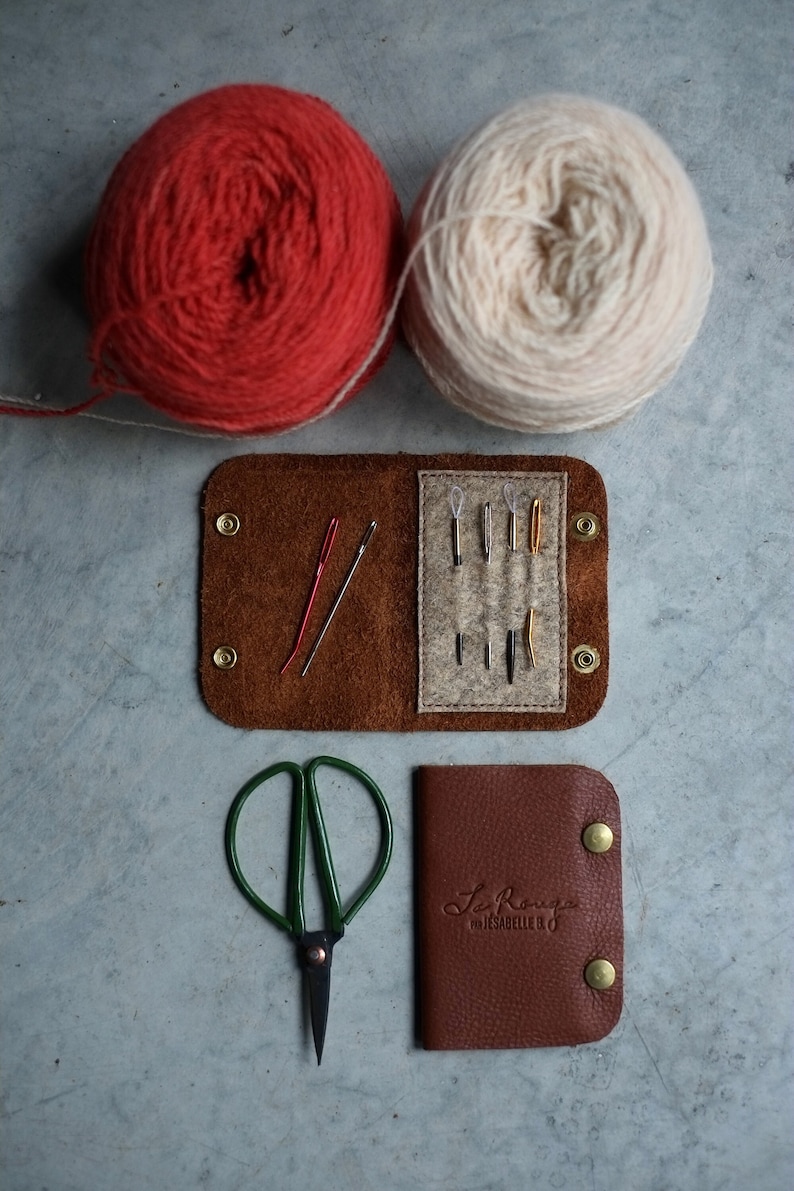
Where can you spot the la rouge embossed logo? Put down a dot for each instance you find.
(505, 910)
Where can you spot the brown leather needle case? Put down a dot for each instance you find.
(408, 648)
(519, 906)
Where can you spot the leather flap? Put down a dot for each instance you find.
(365, 676)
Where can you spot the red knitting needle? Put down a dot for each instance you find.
(330, 534)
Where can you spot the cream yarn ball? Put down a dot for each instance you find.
(559, 267)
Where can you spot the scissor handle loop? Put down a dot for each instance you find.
(294, 923)
(339, 916)
(306, 801)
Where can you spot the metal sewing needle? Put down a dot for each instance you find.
(373, 525)
(511, 501)
(486, 531)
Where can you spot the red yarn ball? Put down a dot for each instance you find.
(243, 262)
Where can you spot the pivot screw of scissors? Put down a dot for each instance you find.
(316, 956)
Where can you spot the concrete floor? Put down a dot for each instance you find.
(152, 1026)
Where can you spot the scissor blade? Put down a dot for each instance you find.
(317, 950)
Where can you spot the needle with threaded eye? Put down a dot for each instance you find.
(457, 499)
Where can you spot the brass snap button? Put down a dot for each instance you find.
(227, 524)
(585, 659)
(600, 974)
(585, 526)
(225, 657)
(598, 837)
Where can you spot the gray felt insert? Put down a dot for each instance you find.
(483, 601)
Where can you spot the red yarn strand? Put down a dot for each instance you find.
(25, 411)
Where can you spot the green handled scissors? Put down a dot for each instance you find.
(315, 947)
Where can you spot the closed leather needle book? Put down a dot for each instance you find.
(520, 906)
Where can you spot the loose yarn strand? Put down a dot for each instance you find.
(391, 315)
(24, 407)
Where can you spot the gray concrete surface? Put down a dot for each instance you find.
(152, 1033)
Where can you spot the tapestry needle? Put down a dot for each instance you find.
(534, 528)
(325, 550)
(358, 556)
(512, 504)
(456, 499)
(459, 648)
(488, 656)
(486, 531)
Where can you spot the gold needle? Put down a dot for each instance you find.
(534, 528)
(529, 624)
